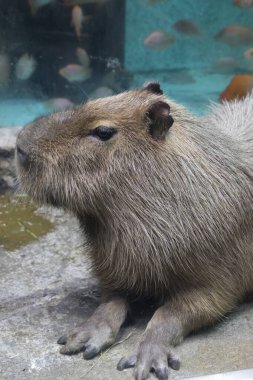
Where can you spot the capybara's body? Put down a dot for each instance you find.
(166, 202)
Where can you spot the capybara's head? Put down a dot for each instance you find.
(76, 158)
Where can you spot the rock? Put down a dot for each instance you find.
(7, 165)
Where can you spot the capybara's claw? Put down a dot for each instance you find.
(62, 339)
(150, 358)
(127, 362)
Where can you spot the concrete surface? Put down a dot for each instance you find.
(47, 288)
(245, 374)
(7, 167)
(8, 137)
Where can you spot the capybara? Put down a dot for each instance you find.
(165, 200)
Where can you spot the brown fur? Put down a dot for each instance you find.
(167, 215)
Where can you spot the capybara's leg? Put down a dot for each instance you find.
(171, 322)
(99, 331)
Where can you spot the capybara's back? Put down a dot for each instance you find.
(235, 119)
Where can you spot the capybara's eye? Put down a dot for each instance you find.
(103, 133)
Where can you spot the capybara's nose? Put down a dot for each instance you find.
(22, 155)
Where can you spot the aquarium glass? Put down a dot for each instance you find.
(56, 54)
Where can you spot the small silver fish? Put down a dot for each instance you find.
(248, 54)
(78, 18)
(159, 40)
(25, 67)
(83, 57)
(235, 35)
(75, 73)
(68, 3)
(58, 104)
(101, 92)
(186, 27)
(36, 4)
(225, 65)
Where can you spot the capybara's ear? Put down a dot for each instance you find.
(160, 119)
(153, 86)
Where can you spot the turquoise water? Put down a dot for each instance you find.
(187, 69)
(113, 38)
(196, 94)
(16, 112)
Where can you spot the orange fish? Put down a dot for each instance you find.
(244, 3)
(235, 35)
(186, 27)
(158, 40)
(77, 20)
(238, 88)
(83, 57)
(75, 73)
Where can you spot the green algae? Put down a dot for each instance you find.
(19, 223)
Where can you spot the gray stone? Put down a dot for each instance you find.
(7, 167)
(8, 137)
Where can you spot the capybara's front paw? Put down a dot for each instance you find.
(150, 357)
(91, 337)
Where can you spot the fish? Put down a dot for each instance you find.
(77, 19)
(58, 104)
(179, 77)
(36, 4)
(243, 3)
(225, 65)
(235, 35)
(153, 2)
(75, 73)
(248, 54)
(238, 88)
(101, 92)
(83, 57)
(158, 40)
(4, 69)
(186, 27)
(69, 3)
(25, 67)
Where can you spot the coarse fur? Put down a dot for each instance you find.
(165, 216)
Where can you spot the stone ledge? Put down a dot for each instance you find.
(8, 138)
